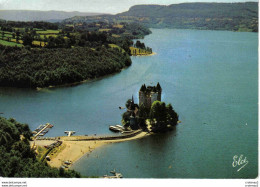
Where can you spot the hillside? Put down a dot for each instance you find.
(206, 16)
(20, 67)
(213, 16)
(43, 54)
(34, 15)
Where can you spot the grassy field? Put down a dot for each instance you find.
(116, 35)
(118, 26)
(48, 32)
(116, 46)
(8, 35)
(39, 43)
(104, 30)
(48, 35)
(40, 152)
(14, 40)
(3, 42)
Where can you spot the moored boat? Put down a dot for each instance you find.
(115, 129)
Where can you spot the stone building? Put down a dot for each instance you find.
(149, 94)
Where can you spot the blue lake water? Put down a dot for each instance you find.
(210, 78)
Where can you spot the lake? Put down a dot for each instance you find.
(210, 78)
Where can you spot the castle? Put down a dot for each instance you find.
(149, 94)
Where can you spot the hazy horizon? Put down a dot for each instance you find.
(95, 6)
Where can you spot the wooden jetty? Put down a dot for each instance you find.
(42, 130)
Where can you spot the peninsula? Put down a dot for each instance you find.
(42, 54)
(152, 116)
(74, 147)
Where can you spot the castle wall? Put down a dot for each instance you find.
(154, 97)
(159, 97)
(147, 96)
(142, 98)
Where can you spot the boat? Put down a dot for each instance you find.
(115, 129)
(120, 127)
(67, 162)
(49, 125)
(113, 171)
(116, 175)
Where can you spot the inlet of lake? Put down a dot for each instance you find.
(210, 78)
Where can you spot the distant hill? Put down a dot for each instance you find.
(215, 16)
(34, 15)
(207, 16)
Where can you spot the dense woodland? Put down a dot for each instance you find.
(206, 16)
(21, 67)
(162, 117)
(51, 54)
(17, 158)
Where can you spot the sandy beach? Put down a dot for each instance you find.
(153, 53)
(74, 150)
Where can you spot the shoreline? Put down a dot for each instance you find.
(89, 80)
(73, 150)
(79, 82)
(153, 53)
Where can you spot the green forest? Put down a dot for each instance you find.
(41, 54)
(17, 158)
(22, 67)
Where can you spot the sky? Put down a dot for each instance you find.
(98, 6)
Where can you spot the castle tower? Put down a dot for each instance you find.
(149, 94)
(142, 97)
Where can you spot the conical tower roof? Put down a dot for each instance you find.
(159, 88)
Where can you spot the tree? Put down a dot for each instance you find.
(17, 158)
(128, 103)
(27, 39)
(5, 137)
(158, 111)
(126, 117)
(162, 116)
(172, 116)
(17, 33)
(143, 111)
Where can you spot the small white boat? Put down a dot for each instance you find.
(116, 175)
(113, 128)
(120, 127)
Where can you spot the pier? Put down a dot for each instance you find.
(42, 130)
(104, 137)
